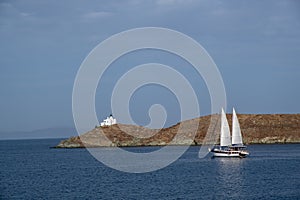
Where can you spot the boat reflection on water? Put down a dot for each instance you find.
(230, 177)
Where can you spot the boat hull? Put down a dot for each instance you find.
(226, 155)
(220, 153)
(229, 153)
(243, 154)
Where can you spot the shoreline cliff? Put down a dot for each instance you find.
(256, 129)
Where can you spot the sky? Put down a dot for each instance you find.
(255, 44)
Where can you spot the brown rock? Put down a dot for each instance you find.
(256, 128)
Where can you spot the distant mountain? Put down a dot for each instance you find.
(256, 129)
(62, 132)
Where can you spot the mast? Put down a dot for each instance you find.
(236, 130)
(225, 132)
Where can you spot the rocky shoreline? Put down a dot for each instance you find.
(256, 129)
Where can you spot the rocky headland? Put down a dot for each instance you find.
(256, 129)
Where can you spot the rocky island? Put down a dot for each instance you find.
(256, 129)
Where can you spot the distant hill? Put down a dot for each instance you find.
(256, 128)
(39, 134)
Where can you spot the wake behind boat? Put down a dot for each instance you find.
(230, 147)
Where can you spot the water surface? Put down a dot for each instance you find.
(31, 170)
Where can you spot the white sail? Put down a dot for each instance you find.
(236, 130)
(225, 131)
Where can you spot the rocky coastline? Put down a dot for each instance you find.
(256, 129)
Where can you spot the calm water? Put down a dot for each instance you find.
(31, 170)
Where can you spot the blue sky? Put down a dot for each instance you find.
(255, 45)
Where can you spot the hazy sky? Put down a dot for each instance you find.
(255, 44)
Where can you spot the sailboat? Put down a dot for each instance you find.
(230, 147)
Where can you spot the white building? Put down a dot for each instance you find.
(108, 121)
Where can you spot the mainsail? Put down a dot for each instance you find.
(225, 132)
(236, 131)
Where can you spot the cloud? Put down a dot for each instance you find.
(173, 2)
(25, 14)
(10, 12)
(97, 15)
(5, 5)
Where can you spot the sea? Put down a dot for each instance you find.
(30, 169)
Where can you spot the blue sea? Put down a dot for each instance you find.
(32, 170)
